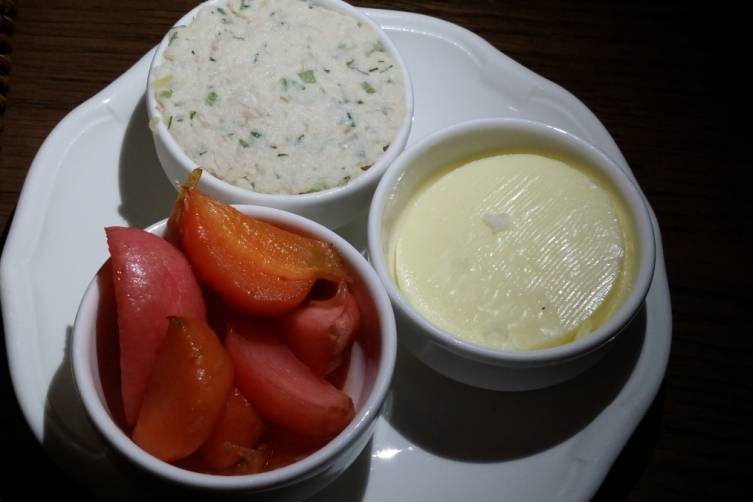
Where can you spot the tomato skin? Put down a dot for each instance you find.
(321, 332)
(256, 267)
(187, 391)
(283, 389)
(239, 429)
(152, 280)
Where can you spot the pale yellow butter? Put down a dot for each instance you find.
(514, 251)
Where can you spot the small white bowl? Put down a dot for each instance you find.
(467, 362)
(333, 207)
(369, 377)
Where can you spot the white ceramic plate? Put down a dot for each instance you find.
(437, 440)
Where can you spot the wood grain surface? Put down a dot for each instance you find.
(665, 79)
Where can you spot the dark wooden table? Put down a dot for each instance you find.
(666, 80)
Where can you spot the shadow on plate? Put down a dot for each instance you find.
(71, 440)
(465, 423)
(145, 191)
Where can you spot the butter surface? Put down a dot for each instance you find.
(514, 251)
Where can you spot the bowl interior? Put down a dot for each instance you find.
(481, 138)
(96, 369)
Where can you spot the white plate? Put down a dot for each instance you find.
(437, 440)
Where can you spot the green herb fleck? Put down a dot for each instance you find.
(307, 76)
(244, 5)
(373, 69)
(193, 52)
(202, 153)
(377, 47)
(317, 188)
(170, 122)
(326, 70)
(256, 134)
(173, 36)
(166, 94)
(244, 144)
(284, 84)
(300, 138)
(221, 11)
(350, 65)
(211, 98)
(367, 87)
(282, 154)
(192, 115)
(212, 59)
(386, 69)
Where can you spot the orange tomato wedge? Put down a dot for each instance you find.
(239, 429)
(255, 266)
(186, 394)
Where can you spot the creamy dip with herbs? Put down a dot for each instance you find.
(279, 96)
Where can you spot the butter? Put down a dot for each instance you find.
(514, 251)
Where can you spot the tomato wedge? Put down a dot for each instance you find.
(152, 280)
(238, 430)
(283, 389)
(187, 392)
(321, 332)
(257, 267)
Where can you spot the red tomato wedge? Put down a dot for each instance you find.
(321, 332)
(187, 392)
(152, 280)
(238, 430)
(283, 389)
(257, 267)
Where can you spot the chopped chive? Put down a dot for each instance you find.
(282, 154)
(373, 69)
(284, 83)
(366, 168)
(221, 11)
(170, 122)
(193, 52)
(244, 144)
(256, 57)
(273, 147)
(202, 153)
(367, 87)
(386, 69)
(349, 64)
(173, 36)
(192, 115)
(360, 101)
(212, 59)
(300, 138)
(211, 98)
(244, 5)
(256, 134)
(326, 70)
(166, 94)
(307, 76)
